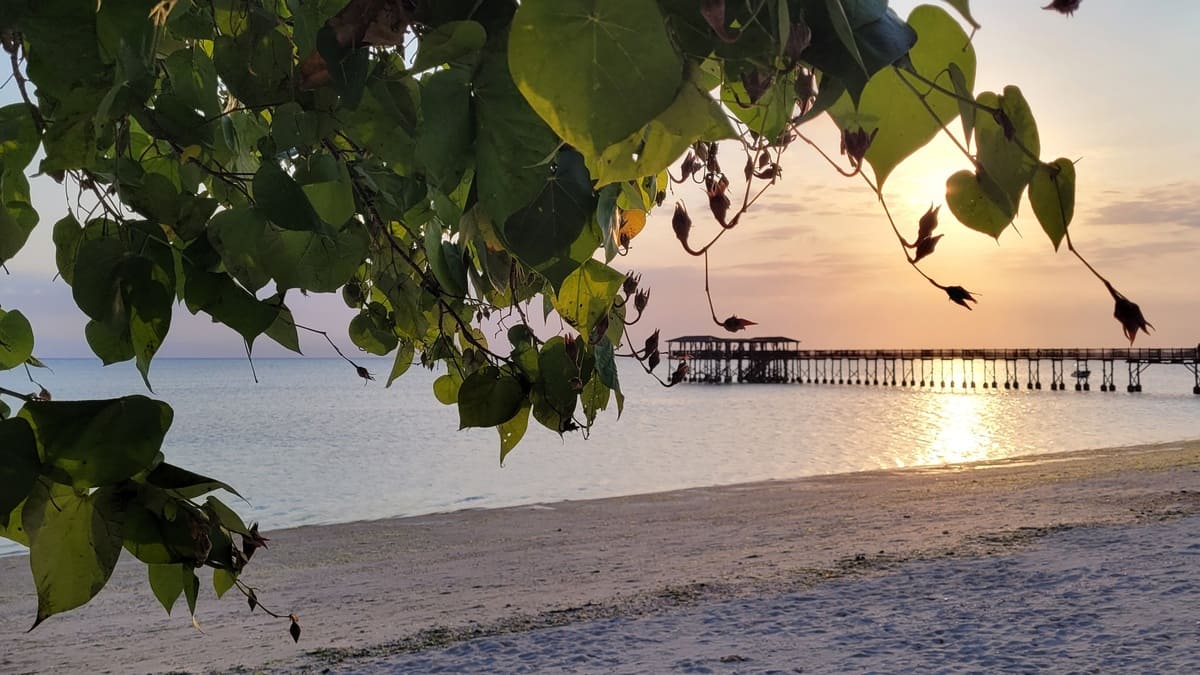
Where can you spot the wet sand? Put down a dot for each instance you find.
(687, 580)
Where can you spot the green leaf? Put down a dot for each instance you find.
(844, 31)
(191, 588)
(767, 116)
(18, 137)
(166, 581)
(347, 65)
(979, 203)
(964, 8)
(692, 116)
(257, 68)
(95, 443)
(16, 339)
(185, 483)
(18, 464)
(149, 295)
(445, 138)
(282, 201)
(891, 102)
(880, 37)
(236, 234)
(555, 390)
(445, 260)
(448, 42)
(594, 397)
(1052, 195)
(542, 234)
(156, 541)
(110, 345)
(227, 517)
(219, 296)
(446, 387)
(512, 143)
(606, 370)
(587, 295)
(312, 261)
(333, 200)
(194, 80)
(404, 360)
(18, 144)
(295, 127)
(67, 235)
(223, 580)
(572, 59)
(370, 332)
(14, 531)
(309, 17)
(512, 431)
(966, 94)
(283, 329)
(1010, 162)
(74, 544)
(488, 398)
(96, 287)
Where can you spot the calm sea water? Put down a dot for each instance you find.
(309, 443)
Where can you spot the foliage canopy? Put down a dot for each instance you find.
(440, 163)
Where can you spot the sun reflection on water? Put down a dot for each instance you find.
(960, 430)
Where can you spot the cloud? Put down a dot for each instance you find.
(1170, 204)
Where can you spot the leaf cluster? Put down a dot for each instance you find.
(444, 166)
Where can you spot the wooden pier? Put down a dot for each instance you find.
(780, 360)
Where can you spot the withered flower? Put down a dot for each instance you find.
(928, 222)
(294, 630)
(714, 14)
(856, 143)
(1129, 314)
(571, 346)
(641, 300)
(798, 39)
(363, 373)
(630, 285)
(253, 541)
(718, 203)
(925, 247)
(688, 167)
(735, 323)
(756, 84)
(806, 90)
(681, 222)
(959, 295)
(651, 343)
(1067, 7)
(680, 372)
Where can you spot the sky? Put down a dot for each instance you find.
(816, 260)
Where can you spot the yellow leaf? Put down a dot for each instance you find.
(632, 222)
(190, 152)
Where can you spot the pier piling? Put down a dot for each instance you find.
(780, 360)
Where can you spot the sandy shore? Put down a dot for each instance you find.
(1080, 561)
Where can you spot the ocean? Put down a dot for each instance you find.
(310, 444)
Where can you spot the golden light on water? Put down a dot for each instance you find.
(961, 431)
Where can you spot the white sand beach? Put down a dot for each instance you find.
(1081, 562)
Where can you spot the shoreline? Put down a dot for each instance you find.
(373, 589)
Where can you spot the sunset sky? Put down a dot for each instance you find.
(815, 260)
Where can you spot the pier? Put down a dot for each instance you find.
(781, 360)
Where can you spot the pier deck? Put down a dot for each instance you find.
(780, 360)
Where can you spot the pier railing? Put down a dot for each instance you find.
(727, 360)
